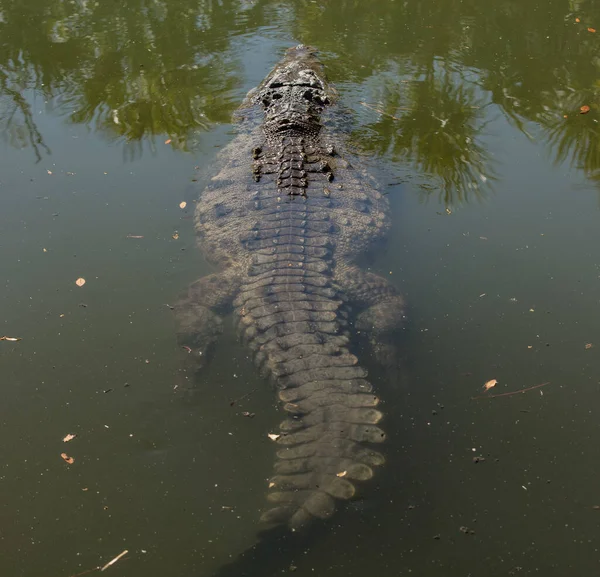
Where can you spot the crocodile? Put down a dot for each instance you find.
(286, 221)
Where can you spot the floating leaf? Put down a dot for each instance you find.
(175, 235)
(591, 30)
(68, 438)
(273, 437)
(588, 346)
(577, 20)
(182, 204)
(342, 474)
(11, 339)
(490, 384)
(67, 459)
(80, 282)
(168, 141)
(584, 109)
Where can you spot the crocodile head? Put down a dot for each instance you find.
(295, 93)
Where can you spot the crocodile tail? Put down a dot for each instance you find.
(299, 332)
(325, 443)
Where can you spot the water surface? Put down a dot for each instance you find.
(468, 113)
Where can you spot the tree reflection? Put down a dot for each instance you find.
(434, 123)
(433, 73)
(132, 69)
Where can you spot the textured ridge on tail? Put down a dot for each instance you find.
(293, 315)
(324, 443)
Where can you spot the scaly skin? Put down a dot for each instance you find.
(285, 220)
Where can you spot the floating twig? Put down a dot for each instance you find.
(521, 391)
(113, 561)
(378, 110)
(231, 403)
(86, 572)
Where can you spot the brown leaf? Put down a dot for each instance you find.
(68, 438)
(168, 141)
(577, 20)
(182, 204)
(588, 346)
(490, 384)
(67, 459)
(175, 236)
(342, 474)
(584, 109)
(11, 339)
(593, 30)
(80, 282)
(273, 437)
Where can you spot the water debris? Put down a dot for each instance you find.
(175, 235)
(271, 485)
(168, 141)
(67, 459)
(11, 339)
(577, 20)
(273, 436)
(379, 111)
(588, 346)
(592, 30)
(80, 281)
(249, 415)
(49, 171)
(490, 384)
(135, 236)
(231, 403)
(182, 204)
(188, 349)
(584, 109)
(342, 474)
(113, 561)
(69, 437)
(520, 391)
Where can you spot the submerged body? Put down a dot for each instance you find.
(285, 220)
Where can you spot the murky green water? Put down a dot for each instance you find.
(469, 113)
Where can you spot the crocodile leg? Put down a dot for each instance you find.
(381, 311)
(198, 316)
